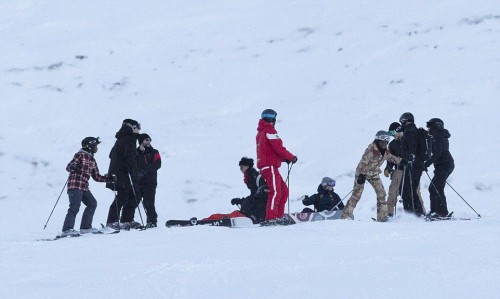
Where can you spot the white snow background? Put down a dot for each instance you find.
(197, 75)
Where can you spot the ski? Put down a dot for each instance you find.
(102, 231)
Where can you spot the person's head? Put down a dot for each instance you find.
(435, 123)
(90, 143)
(327, 183)
(135, 125)
(269, 115)
(144, 140)
(382, 139)
(245, 163)
(406, 118)
(394, 128)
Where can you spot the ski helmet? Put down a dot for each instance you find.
(269, 115)
(435, 123)
(406, 117)
(90, 142)
(382, 135)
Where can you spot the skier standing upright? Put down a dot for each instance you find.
(443, 166)
(123, 165)
(148, 163)
(81, 168)
(270, 154)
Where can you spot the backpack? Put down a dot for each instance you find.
(424, 144)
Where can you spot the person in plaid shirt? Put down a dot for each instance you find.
(81, 168)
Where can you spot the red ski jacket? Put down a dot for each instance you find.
(270, 149)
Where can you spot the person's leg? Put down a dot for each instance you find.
(88, 214)
(75, 199)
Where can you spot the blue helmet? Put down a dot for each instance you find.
(269, 115)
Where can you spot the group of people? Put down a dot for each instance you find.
(132, 175)
(408, 155)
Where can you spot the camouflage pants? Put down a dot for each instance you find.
(396, 179)
(356, 196)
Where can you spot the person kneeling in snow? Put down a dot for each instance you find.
(254, 205)
(325, 200)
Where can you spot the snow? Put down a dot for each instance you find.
(197, 74)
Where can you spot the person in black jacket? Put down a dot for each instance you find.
(325, 200)
(443, 167)
(414, 156)
(254, 205)
(148, 163)
(395, 171)
(123, 165)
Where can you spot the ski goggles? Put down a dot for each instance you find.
(330, 183)
(96, 140)
(138, 126)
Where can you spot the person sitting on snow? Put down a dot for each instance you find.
(325, 200)
(254, 205)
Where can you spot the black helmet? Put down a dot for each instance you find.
(269, 115)
(406, 117)
(435, 123)
(89, 142)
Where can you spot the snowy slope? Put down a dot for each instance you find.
(197, 75)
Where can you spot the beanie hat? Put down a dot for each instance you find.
(142, 137)
(246, 162)
(394, 127)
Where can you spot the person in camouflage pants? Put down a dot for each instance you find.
(368, 169)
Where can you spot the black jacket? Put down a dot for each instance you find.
(324, 200)
(254, 205)
(122, 159)
(410, 146)
(395, 150)
(148, 163)
(440, 148)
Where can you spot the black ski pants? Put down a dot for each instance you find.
(125, 202)
(436, 189)
(148, 194)
(409, 186)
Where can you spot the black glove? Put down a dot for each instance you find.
(361, 179)
(235, 201)
(110, 178)
(304, 197)
(73, 167)
(294, 160)
(411, 158)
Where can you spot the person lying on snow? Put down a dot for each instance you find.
(254, 205)
(325, 200)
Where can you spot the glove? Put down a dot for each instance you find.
(361, 179)
(387, 172)
(235, 201)
(411, 158)
(73, 167)
(294, 160)
(110, 178)
(303, 197)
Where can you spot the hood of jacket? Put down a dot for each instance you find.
(264, 126)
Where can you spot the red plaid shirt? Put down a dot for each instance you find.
(87, 167)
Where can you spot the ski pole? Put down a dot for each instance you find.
(117, 206)
(341, 201)
(463, 199)
(135, 196)
(64, 187)
(288, 185)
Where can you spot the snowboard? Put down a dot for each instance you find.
(296, 218)
(226, 222)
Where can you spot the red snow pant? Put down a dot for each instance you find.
(233, 214)
(278, 192)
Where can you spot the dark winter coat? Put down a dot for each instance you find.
(324, 200)
(395, 150)
(254, 205)
(441, 155)
(122, 159)
(409, 146)
(148, 163)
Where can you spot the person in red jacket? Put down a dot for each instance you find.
(270, 154)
